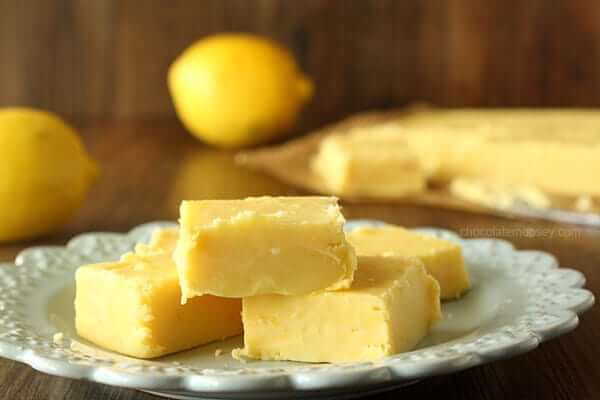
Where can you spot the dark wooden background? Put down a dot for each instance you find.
(107, 59)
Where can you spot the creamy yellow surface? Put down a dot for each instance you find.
(376, 165)
(555, 150)
(132, 306)
(443, 259)
(390, 307)
(263, 245)
(499, 195)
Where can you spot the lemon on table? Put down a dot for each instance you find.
(234, 90)
(45, 173)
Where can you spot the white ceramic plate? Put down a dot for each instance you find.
(518, 299)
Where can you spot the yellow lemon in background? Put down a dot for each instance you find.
(234, 90)
(45, 173)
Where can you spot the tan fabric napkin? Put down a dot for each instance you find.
(290, 162)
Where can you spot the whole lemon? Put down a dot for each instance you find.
(234, 90)
(45, 173)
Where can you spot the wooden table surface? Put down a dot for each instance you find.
(148, 169)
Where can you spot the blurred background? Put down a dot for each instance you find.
(102, 66)
(107, 60)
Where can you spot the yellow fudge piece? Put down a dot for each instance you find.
(263, 245)
(390, 307)
(378, 165)
(443, 259)
(162, 240)
(498, 195)
(132, 306)
(555, 150)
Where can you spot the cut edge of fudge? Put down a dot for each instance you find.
(443, 259)
(122, 320)
(211, 230)
(391, 306)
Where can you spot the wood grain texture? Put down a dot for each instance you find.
(148, 169)
(91, 60)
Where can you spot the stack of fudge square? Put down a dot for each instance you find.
(280, 270)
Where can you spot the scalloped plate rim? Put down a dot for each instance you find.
(389, 370)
